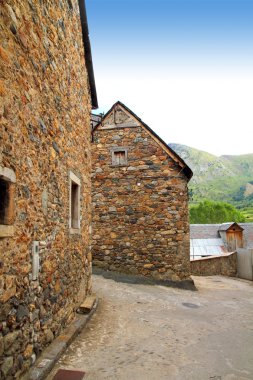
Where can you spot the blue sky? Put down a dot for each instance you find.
(189, 62)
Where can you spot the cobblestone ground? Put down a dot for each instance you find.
(143, 332)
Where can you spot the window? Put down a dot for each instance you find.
(119, 156)
(74, 218)
(74, 205)
(4, 200)
(7, 195)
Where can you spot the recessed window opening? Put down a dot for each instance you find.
(4, 201)
(70, 5)
(119, 156)
(7, 201)
(75, 205)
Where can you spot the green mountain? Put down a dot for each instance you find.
(225, 178)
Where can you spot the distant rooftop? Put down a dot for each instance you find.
(248, 234)
(204, 231)
(207, 247)
(95, 120)
(227, 226)
(211, 231)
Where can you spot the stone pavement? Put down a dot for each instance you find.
(145, 332)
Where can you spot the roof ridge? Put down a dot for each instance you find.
(186, 169)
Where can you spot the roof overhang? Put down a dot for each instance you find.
(87, 53)
(230, 227)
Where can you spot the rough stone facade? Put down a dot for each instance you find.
(225, 265)
(44, 136)
(140, 200)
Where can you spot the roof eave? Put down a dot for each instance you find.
(87, 54)
(227, 226)
(186, 169)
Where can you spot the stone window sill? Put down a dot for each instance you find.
(6, 231)
(118, 165)
(75, 231)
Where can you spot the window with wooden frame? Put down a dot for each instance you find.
(119, 156)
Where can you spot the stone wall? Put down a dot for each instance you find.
(225, 265)
(140, 209)
(44, 134)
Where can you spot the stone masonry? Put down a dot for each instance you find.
(225, 265)
(140, 200)
(45, 105)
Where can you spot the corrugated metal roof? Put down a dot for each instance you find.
(206, 247)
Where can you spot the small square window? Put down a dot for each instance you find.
(119, 157)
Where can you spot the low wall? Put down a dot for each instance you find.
(225, 265)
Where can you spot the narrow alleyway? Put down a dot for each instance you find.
(143, 332)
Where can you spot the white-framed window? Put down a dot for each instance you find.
(7, 196)
(119, 156)
(74, 203)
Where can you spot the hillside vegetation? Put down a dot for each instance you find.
(225, 178)
(210, 212)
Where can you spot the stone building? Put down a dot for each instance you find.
(222, 249)
(217, 239)
(140, 200)
(47, 90)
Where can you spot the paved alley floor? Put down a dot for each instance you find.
(144, 332)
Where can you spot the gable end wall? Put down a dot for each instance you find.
(140, 211)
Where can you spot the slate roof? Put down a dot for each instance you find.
(227, 226)
(95, 120)
(204, 231)
(248, 234)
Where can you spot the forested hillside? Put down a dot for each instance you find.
(225, 178)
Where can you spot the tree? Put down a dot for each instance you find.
(209, 212)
